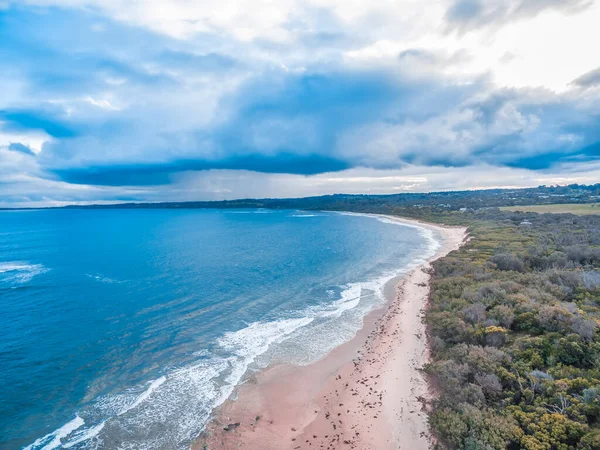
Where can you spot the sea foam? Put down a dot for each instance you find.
(20, 271)
(53, 440)
(144, 396)
(186, 395)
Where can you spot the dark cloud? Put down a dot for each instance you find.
(305, 111)
(589, 79)
(464, 11)
(525, 129)
(162, 174)
(468, 14)
(294, 124)
(548, 159)
(281, 122)
(552, 159)
(417, 54)
(18, 147)
(24, 120)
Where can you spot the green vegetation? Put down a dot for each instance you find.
(566, 208)
(513, 322)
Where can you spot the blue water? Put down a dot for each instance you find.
(125, 328)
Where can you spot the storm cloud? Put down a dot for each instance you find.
(103, 101)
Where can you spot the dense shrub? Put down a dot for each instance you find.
(513, 320)
(590, 441)
(507, 261)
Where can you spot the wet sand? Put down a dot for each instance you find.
(369, 393)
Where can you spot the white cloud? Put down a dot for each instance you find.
(531, 52)
(221, 185)
(453, 134)
(548, 47)
(101, 103)
(23, 190)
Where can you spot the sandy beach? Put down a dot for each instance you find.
(369, 393)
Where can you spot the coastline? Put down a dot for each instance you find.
(368, 393)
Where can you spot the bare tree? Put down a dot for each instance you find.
(561, 408)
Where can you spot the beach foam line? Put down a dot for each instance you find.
(89, 433)
(244, 346)
(258, 336)
(85, 435)
(253, 341)
(362, 296)
(357, 299)
(54, 440)
(144, 395)
(352, 295)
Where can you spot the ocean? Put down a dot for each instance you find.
(124, 329)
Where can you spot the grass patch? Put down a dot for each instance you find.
(565, 208)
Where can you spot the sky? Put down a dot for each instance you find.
(176, 100)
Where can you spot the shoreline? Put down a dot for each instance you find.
(368, 393)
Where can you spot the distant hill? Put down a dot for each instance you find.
(444, 201)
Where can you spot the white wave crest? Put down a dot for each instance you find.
(144, 395)
(85, 435)
(54, 439)
(185, 396)
(256, 338)
(20, 271)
